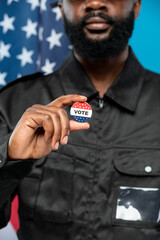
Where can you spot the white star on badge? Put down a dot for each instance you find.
(57, 12)
(54, 39)
(25, 57)
(43, 5)
(34, 4)
(7, 23)
(10, 1)
(2, 78)
(48, 67)
(4, 50)
(30, 28)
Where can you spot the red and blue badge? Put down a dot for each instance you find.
(81, 111)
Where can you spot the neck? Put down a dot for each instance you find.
(103, 72)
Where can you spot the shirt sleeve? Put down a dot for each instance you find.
(11, 173)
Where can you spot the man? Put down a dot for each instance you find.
(85, 184)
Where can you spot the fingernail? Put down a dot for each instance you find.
(56, 146)
(65, 140)
(88, 125)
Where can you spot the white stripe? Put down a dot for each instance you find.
(8, 233)
(81, 112)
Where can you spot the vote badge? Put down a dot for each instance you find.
(81, 111)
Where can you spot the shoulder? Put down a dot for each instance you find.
(151, 87)
(23, 82)
(151, 76)
(28, 86)
(25, 92)
(151, 81)
(37, 80)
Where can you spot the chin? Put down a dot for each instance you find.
(97, 36)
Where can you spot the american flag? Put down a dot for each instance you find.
(32, 38)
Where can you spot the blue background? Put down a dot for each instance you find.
(146, 36)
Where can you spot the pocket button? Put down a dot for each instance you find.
(148, 169)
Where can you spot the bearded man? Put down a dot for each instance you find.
(85, 181)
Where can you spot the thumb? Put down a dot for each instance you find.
(74, 126)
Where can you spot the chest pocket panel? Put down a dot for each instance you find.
(136, 188)
(55, 192)
(64, 189)
(138, 163)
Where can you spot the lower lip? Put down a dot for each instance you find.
(97, 26)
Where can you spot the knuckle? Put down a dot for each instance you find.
(59, 99)
(62, 97)
(29, 110)
(55, 116)
(47, 117)
(36, 106)
(76, 95)
(61, 111)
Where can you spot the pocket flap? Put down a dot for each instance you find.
(138, 162)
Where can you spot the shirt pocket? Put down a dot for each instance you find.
(55, 192)
(136, 188)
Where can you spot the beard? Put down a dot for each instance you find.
(110, 46)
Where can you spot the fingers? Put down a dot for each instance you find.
(58, 131)
(53, 122)
(67, 100)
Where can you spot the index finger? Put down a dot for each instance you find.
(67, 100)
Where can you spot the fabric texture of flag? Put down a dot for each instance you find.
(32, 39)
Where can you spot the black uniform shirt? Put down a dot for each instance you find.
(104, 184)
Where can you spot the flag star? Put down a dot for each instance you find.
(70, 47)
(4, 50)
(40, 33)
(57, 12)
(19, 75)
(10, 1)
(2, 78)
(30, 28)
(25, 57)
(43, 5)
(34, 4)
(54, 39)
(7, 23)
(48, 67)
(38, 62)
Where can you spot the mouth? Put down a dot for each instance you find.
(96, 24)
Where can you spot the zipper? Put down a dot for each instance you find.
(101, 103)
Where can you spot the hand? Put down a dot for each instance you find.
(42, 128)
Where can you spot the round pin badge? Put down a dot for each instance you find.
(81, 111)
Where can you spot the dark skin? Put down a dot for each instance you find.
(102, 72)
(43, 127)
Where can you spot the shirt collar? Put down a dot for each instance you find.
(125, 90)
(127, 87)
(74, 78)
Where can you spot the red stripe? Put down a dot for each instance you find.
(14, 213)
